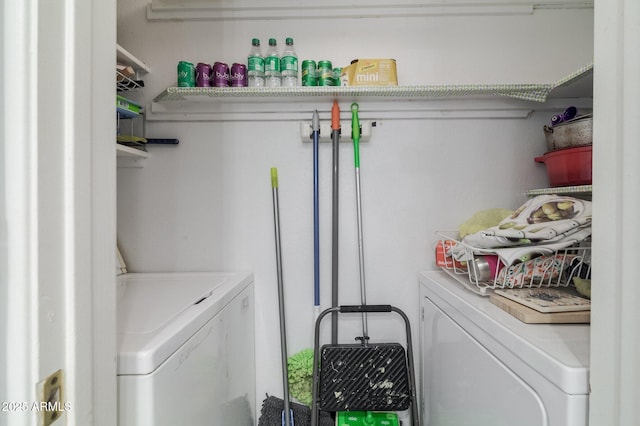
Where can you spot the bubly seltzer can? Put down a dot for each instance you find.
(239, 75)
(186, 74)
(203, 75)
(221, 75)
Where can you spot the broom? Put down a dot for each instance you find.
(276, 411)
(273, 408)
(285, 418)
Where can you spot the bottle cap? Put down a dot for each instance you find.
(272, 42)
(289, 41)
(255, 42)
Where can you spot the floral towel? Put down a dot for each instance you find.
(543, 219)
(542, 270)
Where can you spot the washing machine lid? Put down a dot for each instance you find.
(557, 352)
(158, 312)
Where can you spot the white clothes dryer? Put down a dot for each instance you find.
(480, 366)
(186, 349)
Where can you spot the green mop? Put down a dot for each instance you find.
(301, 375)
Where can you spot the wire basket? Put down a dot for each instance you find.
(482, 270)
(125, 83)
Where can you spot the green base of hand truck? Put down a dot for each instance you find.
(366, 418)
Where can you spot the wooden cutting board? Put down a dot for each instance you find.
(531, 316)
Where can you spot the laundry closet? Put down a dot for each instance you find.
(432, 159)
(196, 286)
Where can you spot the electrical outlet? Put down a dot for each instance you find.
(50, 393)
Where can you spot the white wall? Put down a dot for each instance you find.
(206, 203)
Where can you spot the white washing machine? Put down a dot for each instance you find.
(481, 366)
(186, 349)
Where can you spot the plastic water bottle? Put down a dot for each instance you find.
(289, 65)
(255, 65)
(272, 65)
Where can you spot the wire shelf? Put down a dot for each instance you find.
(533, 92)
(537, 92)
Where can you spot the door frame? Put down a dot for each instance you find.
(58, 207)
(615, 336)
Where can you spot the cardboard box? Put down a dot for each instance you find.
(127, 108)
(443, 258)
(370, 72)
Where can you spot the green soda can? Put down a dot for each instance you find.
(308, 73)
(186, 74)
(337, 76)
(325, 74)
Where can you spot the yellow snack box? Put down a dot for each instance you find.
(370, 72)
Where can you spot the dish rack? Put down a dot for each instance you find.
(483, 270)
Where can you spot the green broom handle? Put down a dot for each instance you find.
(355, 133)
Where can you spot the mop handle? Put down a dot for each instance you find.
(335, 116)
(283, 332)
(335, 139)
(355, 135)
(316, 217)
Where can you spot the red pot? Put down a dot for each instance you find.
(570, 166)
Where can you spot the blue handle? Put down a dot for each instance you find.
(316, 218)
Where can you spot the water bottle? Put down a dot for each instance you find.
(272, 65)
(255, 65)
(289, 65)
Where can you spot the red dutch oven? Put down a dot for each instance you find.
(567, 167)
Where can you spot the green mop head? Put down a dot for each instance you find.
(300, 368)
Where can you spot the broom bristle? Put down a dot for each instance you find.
(271, 413)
